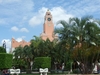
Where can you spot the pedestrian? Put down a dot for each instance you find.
(63, 66)
(98, 68)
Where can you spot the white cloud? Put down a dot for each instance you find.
(1, 1)
(8, 1)
(38, 18)
(24, 30)
(2, 22)
(83, 7)
(58, 13)
(20, 38)
(15, 12)
(24, 18)
(14, 28)
(35, 21)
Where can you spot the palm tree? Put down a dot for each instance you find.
(66, 37)
(74, 34)
(28, 56)
(18, 52)
(85, 30)
(18, 60)
(35, 45)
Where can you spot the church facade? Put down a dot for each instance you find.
(15, 44)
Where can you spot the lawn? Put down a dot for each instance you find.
(39, 74)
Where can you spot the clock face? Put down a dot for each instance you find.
(48, 24)
(49, 19)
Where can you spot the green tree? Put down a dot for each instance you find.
(86, 31)
(35, 45)
(23, 57)
(18, 60)
(18, 52)
(28, 56)
(78, 32)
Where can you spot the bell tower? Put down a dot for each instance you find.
(48, 27)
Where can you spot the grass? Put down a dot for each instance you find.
(39, 74)
(54, 73)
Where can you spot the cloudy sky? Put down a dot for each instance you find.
(22, 19)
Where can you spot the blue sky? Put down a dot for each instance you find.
(22, 19)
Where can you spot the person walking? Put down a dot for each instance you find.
(63, 66)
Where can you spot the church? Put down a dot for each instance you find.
(48, 27)
(48, 32)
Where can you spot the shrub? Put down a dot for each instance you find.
(69, 65)
(18, 62)
(5, 60)
(2, 50)
(42, 62)
(76, 71)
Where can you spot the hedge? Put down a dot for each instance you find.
(2, 50)
(5, 60)
(42, 62)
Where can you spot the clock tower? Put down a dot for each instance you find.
(48, 27)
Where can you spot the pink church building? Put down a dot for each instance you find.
(48, 32)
